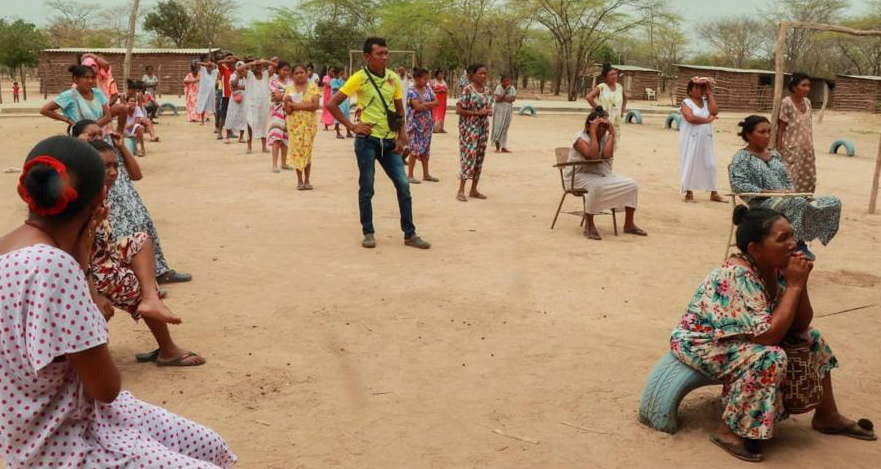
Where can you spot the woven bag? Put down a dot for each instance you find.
(803, 387)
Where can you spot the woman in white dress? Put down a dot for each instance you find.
(236, 121)
(595, 146)
(610, 95)
(696, 151)
(207, 80)
(256, 100)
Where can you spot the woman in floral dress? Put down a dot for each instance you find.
(795, 138)
(758, 169)
(278, 127)
(736, 325)
(421, 101)
(301, 100)
(66, 402)
(191, 92)
(474, 109)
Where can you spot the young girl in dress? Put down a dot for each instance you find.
(66, 401)
(278, 128)
(133, 127)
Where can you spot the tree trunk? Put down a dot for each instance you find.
(24, 85)
(1, 89)
(558, 77)
(130, 41)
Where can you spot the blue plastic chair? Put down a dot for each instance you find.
(847, 144)
(669, 382)
(632, 116)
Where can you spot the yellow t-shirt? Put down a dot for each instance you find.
(372, 110)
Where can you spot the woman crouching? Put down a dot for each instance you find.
(743, 320)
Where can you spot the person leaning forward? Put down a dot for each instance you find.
(377, 88)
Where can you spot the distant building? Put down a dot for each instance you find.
(170, 65)
(857, 93)
(634, 79)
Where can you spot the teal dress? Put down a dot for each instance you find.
(715, 337)
(335, 85)
(76, 108)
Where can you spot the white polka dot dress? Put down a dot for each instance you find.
(46, 420)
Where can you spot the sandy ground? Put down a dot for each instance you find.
(323, 354)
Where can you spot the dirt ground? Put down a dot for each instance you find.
(323, 354)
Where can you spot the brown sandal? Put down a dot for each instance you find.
(739, 451)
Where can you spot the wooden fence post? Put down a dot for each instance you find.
(778, 79)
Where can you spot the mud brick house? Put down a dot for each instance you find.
(635, 79)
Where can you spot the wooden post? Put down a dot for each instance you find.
(778, 79)
(873, 199)
(825, 101)
(130, 42)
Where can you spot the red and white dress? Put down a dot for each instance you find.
(46, 418)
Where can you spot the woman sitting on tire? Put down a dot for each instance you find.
(738, 327)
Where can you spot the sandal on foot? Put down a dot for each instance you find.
(718, 198)
(301, 187)
(739, 451)
(413, 180)
(431, 179)
(147, 357)
(276, 170)
(173, 277)
(477, 195)
(307, 187)
(287, 167)
(593, 235)
(181, 360)
(689, 198)
(636, 232)
(461, 198)
(863, 429)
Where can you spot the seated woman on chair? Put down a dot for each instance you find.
(736, 328)
(605, 189)
(759, 169)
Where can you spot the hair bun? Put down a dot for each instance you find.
(740, 213)
(599, 109)
(44, 185)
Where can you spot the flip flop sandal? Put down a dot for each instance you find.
(287, 167)
(718, 199)
(461, 198)
(637, 232)
(173, 277)
(477, 196)
(414, 181)
(739, 451)
(180, 361)
(308, 187)
(276, 170)
(431, 179)
(863, 429)
(593, 236)
(147, 357)
(301, 187)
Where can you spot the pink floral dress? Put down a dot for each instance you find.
(715, 336)
(46, 419)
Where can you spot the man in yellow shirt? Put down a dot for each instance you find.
(379, 92)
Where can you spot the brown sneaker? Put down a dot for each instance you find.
(417, 242)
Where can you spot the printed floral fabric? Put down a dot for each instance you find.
(473, 131)
(420, 124)
(301, 127)
(797, 149)
(715, 336)
(811, 218)
(111, 268)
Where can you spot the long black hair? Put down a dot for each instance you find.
(749, 125)
(79, 127)
(62, 177)
(79, 71)
(796, 79)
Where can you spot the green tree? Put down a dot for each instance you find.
(170, 19)
(409, 25)
(733, 41)
(279, 36)
(211, 21)
(20, 44)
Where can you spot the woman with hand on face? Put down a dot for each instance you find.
(474, 109)
(504, 95)
(795, 139)
(420, 125)
(595, 147)
(64, 391)
(756, 169)
(696, 151)
(737, 328)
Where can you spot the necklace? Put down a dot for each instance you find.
(36, 225)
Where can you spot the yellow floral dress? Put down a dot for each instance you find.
(302, 126)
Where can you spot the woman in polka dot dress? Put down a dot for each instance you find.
(60, 393)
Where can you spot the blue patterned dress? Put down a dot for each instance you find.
(419, 123)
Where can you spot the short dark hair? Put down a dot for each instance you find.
(282, 64)
(796, 80)
(437, 72)
(753, 224)
(45, 185)
(80, 127)
(419, 72)
(373, 41)
(79, 71)
(607, 68)
(749, 125)
(473, 68)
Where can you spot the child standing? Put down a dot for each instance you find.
(335, 86)
(15, 89)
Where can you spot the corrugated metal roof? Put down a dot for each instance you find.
(121, 50)
(727, 69)
(862, 77)
(634, 68)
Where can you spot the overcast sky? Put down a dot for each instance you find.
(693, 10)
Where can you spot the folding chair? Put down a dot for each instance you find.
(562, 155)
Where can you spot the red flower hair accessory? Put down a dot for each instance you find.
(68, 193)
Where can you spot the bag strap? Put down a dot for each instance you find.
(367, 72)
